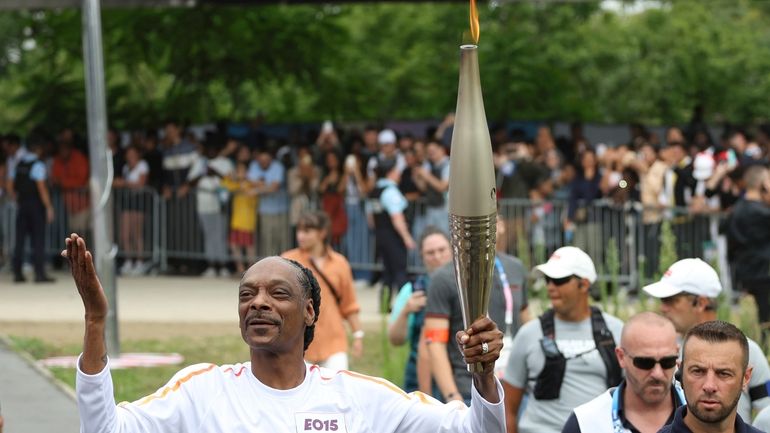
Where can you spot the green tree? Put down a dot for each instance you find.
(374, 61)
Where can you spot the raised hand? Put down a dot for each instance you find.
(94, 300)
(83, 272)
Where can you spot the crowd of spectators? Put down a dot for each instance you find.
(262, 182)
(255, 196)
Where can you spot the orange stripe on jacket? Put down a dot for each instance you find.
(162, 393)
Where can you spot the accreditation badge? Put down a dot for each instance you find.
(308, 422)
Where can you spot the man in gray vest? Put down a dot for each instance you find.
(688, 294)
(646, 399)
(565, 358)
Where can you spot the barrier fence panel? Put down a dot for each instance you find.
(168, 234)
(136, 229)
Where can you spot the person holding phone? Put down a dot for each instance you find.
(408, 314)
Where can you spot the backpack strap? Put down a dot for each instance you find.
(337, 297)
(547, 323)
(605, 344)
(759, 391)
(549, 380)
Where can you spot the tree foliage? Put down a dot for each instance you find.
(379, 61)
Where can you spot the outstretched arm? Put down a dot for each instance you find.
(81, 261)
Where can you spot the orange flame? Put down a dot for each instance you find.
(474, 22)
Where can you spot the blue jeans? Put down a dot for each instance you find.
(356, 242)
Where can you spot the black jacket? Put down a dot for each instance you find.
(678, 425)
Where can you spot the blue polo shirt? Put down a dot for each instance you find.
(391, 199)
(274, 203)
(38, 171)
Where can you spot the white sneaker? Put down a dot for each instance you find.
(127, 268)
(224, 273)
(139, 268)
(209, 273)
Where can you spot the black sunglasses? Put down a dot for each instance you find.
(648, 362)
(558, 281)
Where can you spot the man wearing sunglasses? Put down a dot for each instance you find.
(688, 294)
(567, 356)
(646, 399)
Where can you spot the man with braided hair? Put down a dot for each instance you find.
(276, 392)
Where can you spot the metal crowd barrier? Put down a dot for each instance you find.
(169, 232)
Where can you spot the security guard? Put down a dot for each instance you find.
(688, 293)
(34, 210)
(387, 205)
(648, 396)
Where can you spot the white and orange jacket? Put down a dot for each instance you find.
(229, 398)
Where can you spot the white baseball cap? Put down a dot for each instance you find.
(567, 261)
(692, 276)
(386, 136)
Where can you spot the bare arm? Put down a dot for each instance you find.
(355, 326)
(513, 396)
(434, 182)
(270, 187)
(440, 366)
(398, 329)
(399, 223)
(525, 315)
(424, 382)
(81, 261)
(42, 189)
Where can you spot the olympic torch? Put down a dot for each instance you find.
(472, 195)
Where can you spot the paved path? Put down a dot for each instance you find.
(32, 403)
(141, 299)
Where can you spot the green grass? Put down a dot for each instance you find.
(380, 359)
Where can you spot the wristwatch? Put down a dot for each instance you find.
(359, 334)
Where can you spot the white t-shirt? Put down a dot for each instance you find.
(760, 377)
(585, 376)
(133, 175)
(207, 192)
(230, 399)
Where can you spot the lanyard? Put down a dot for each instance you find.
(617, 425)
(508, 295)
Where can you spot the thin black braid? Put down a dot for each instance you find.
(309, 283)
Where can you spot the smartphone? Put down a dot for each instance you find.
(418, 286)
(732, 160)
(350, 161)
